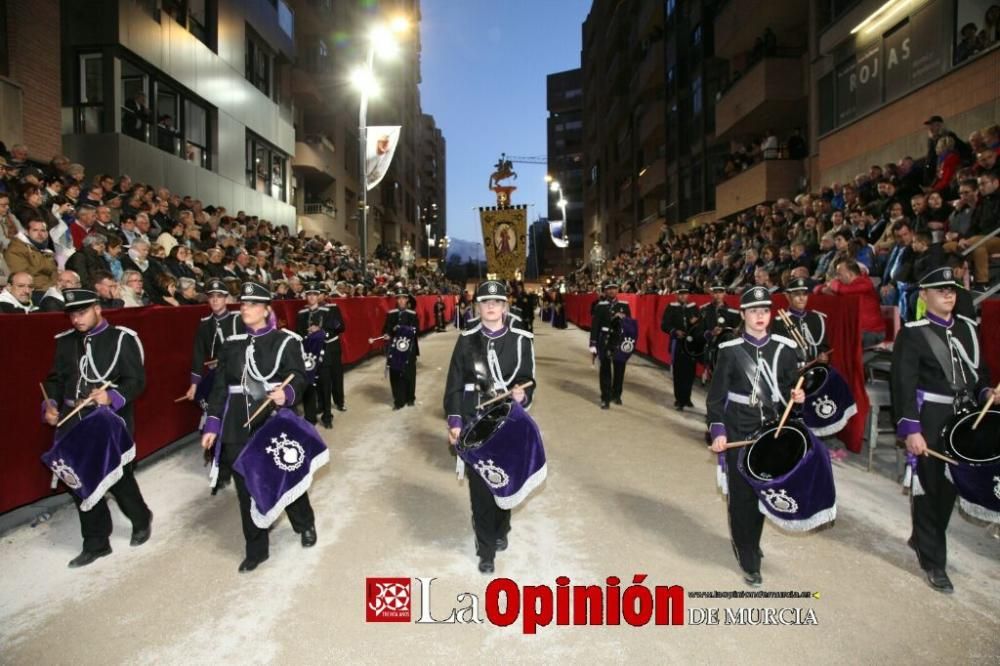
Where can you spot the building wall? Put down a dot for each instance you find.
(33, 119)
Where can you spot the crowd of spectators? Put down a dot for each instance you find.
(873, 236)
(137, 244)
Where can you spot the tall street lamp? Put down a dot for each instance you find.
(381, 40)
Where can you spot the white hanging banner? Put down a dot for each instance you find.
(557, 230)
(381, 146)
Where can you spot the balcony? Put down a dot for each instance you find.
(651, 69)
(653, 125)
(766, 181)
(770, 94)
(653, 177)
(738, 24)
(315, 154)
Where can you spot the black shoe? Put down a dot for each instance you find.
(309, 537)
(87, 557)
(689, 404)
(501, 543)
(486, 566)
(396, 407)
(341, 408)
(605, 405)
(140, 537)
(939, 580)
(220, 484)
(618, 401)
(411, 403)
(753, 578)
(679, 408)
(328, 424)
(249, 564)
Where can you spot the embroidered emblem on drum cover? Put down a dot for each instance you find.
(310, 360)
(402, 344)
(825, 407)
(287, 453)
(66, 474)
(996, 486)
(628, 345)
(494, 476)
(780, 501)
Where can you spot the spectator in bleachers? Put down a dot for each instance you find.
(893, 279)
(948, 161)
(88, 261)
(15, 298)
(985, 218)
(166, 290)
(960, 221)
(187, 292)
(986, 161)
(108, 291)
(132, 290)
(52, 300)
(86, 216)
(850, 280)
(30, 252)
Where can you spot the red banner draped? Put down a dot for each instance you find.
(991, 343)
(167, 336)
(843, 333)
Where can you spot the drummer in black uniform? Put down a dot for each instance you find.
(489, 359)
(208, 340)
(718, 322)
(439, 320)
(604, 313)
(252, 366)
(937, 367)
(682, 322)
(404, 384)
(810, 325)
(326, 318)
(738, 406)
(88, 355)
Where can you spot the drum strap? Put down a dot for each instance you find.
(751, 370)
(946, 359)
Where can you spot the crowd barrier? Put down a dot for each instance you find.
(167, 335)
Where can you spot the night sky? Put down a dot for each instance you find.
(484, 66)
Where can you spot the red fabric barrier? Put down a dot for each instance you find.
(843, 333)
(167, 336)
(991, 343)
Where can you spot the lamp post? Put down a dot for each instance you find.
(381, 39)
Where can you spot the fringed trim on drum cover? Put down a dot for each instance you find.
(263, 521)
(530, 484)
(978, 511)
(911, 481)
(111, 479)
(816, 520)
(837, 426)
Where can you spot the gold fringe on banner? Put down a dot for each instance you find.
(505, 239)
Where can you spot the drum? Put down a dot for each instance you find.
(204, 388)
(624, 339)
(503, 445)
(791, 474)
(546, 313)
(829, 402)
(694, 345)
(278, 463)
(313, 347)
(401, 347)
(977, 475)
(90, 456)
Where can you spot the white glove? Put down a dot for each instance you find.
(593, 350)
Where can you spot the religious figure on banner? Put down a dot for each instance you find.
(504, 239)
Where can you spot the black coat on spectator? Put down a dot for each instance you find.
(85, 263)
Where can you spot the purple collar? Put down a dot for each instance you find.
(267, 328)
(756, 342)
(939, 321)
(494, 334)
(796, 313)
(221, 316)
(100, 328)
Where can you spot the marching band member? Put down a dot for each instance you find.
(717, 318)
(251, 367)
(87, 356)
(612, 372)
(208, 340)
(753, 377)
(810, 325)
(403, 382)
(489, 359)
(936, 367)
(313, 319)
(681, 320)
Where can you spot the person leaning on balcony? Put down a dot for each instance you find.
(985, 220)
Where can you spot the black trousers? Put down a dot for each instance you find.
(336, 365)
(683, 367)
(300, 512)
(317, 396)
(612, 374)
(931, 512)
(489, 522)
(746, 522)
(96, 526)
(404, 384)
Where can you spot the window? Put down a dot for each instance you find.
(575, 92)
(167, 119)
(696, 100)
(195, 133)
(135, 102)
(90, 104)
(574, 125)
(266, 167)
(671, 6)
(196, 16)
(696, 35)
(259, 63)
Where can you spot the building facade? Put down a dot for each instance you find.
(433, 195)
(189, 94)
(564, 99)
